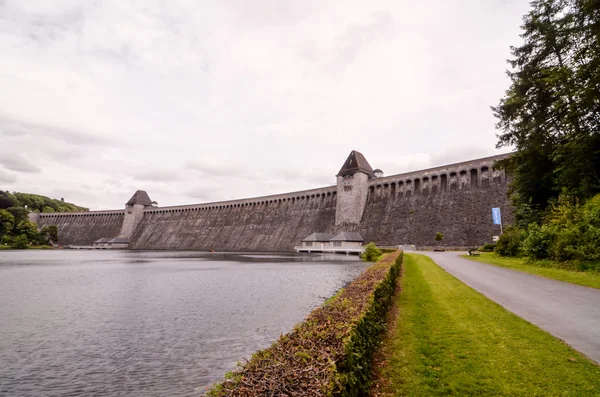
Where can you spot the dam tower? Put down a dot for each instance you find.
(134, 212)
(352, 189)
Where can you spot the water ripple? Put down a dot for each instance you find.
(125, 323)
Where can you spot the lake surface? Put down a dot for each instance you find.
(127, 323)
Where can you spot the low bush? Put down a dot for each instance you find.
(328, 354)
(20, 242)
(569, 234)
(372, 253)
(487, 248)
(509, 243)
(538, 240)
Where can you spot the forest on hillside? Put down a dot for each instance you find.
(36, 203)
(16, 230)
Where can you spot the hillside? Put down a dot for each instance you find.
(36, 202)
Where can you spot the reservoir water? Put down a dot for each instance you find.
(160, 323)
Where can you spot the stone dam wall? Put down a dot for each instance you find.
(274, 223)
(400, 209)
(456, 200)
(83, 228)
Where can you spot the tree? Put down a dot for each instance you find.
(20, 214)
(20, 242)
(439, 236)
(6, 240)
(7, 200)
(371, 252)
(50, 233)
(7, 222)
(39, 203)
(551, 111)
(28, 229)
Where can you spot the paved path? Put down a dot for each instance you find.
(568, 311)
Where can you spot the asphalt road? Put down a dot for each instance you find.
(568, 311)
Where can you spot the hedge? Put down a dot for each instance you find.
(330, 353)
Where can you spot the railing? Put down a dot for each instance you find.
(331, 250)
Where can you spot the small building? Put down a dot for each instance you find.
(347, 240)
(111, 243)
(317, 241)
(378, 173)
(345, 243)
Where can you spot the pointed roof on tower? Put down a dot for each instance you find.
(140, 197)
(356, 162)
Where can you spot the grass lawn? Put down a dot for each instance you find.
(589, 279)
(448, 339)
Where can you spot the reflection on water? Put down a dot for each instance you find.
(127, 323)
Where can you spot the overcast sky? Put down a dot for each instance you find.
(196, 101)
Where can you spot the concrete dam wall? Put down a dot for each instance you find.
(455, 200)
(274, 223)
(400, 209)
(83, 228)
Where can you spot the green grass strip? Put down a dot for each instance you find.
(451, 340)
(588, 278)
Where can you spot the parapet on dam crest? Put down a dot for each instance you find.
(407, 208)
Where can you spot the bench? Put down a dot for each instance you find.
(473, 252)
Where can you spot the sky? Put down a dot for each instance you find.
(197, 101)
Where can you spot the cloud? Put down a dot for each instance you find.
(15, 128)
(6, 177)
(235, 99)
(220, 169)
(204, 194)
(158, 175)
(316, 176)
(457, 155)
(16, 162)
(357, 36)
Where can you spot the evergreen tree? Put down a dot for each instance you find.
(551, 112)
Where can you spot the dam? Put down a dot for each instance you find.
(402, 209)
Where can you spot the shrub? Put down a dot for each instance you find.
(371, 252)
(509, 243)
(575, 229)
(570, 232)
(6, 240)
(20, 242)
(538, 241)
(487, 248)
(564, 246)
(328, 354)
(589, 242)
(49, 233)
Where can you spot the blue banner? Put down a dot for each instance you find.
(496, 216)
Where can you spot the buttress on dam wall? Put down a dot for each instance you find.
(400, 209)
